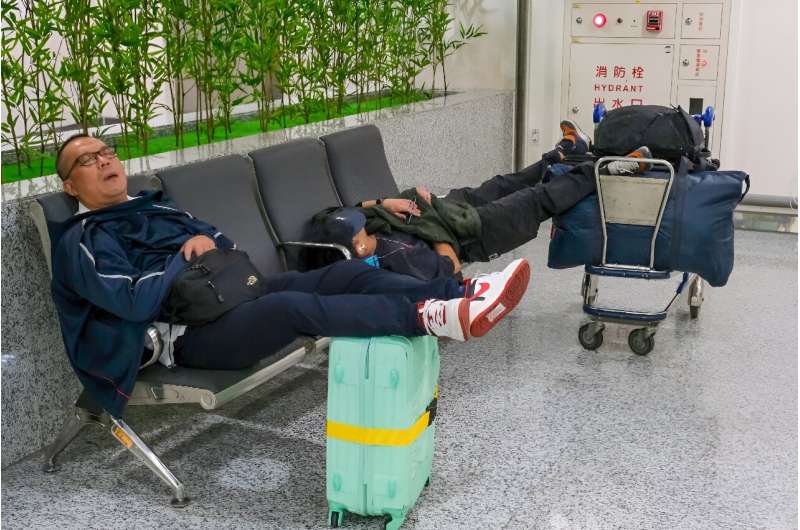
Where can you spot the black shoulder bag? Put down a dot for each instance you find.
(213, 284)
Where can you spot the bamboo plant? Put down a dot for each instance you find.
(45, 97)
(147, 67)
(13, 83)
(114, 70)
(315, 53)
(79, 67)
(260, 50)
(227, 40)
(439, 46)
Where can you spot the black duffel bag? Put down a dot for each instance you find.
(669, 132)
(214, 283)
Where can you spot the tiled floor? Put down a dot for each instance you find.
(533, 431)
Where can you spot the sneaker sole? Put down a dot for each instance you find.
(508, 300)
(463, 318)
(582, 135)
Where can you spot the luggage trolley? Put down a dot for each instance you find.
(638, 200)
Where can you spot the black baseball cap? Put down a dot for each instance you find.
(342, 225)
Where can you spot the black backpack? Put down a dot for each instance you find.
(669, 132)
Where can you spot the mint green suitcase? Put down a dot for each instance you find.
(382, 396)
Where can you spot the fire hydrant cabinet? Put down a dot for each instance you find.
(638, 53)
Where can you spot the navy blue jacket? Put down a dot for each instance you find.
(112, 269)
(407, 254)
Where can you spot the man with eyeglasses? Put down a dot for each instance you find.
(117, 258)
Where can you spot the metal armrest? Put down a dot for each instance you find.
(153, 338)
(308, 244)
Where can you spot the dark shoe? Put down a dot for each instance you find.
(575, 141)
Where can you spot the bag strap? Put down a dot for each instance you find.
(431, 409)
(746, 189)
(384, 437)
(680, 189)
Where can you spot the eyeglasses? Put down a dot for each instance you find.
(89, 159)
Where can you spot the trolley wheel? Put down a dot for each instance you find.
(589, 340)
(695, 297)
(640, 342)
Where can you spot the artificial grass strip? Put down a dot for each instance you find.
(239, 128)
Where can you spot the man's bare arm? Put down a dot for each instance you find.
(399, 207)
(445, 249)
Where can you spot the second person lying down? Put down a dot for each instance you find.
(428, 237)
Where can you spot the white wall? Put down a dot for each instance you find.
(488, 62)
(543, 90)
(759, 133)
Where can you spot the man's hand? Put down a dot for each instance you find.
(424, 194)
(198, 245)
(401, 207)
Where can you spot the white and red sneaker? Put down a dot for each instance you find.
(492, 296)
(446, 318)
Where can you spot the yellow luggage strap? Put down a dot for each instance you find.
(385, 437)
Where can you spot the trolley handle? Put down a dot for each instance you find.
(706, 119)
(653, 161)
(670, 179)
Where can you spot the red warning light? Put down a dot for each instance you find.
(599, 20)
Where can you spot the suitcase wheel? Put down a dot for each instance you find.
(335, 519)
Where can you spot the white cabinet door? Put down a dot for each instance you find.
(701, 21)
(698, 62)
(617, 75)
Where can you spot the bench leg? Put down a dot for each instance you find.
(79, 418)
(127, 437)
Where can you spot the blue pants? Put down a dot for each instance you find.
(347, 298)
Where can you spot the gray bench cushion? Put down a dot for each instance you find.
(358, 164)
(212, 380)
(295, 183)
(222, 191)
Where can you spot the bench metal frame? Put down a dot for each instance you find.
(145, 393)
